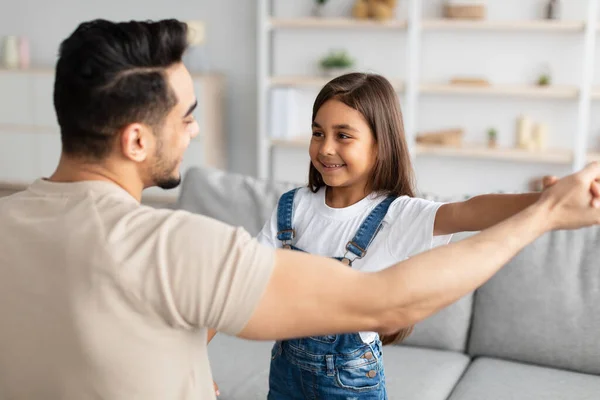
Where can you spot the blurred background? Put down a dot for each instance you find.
(495, 94)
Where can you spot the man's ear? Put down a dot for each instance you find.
(136, 142)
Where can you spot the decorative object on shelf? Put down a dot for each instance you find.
(380, 10)
(538, 137)
(468, 81)
(318, 8)
(524, 132)
(10, 56)
(538, 184)
(443, 137)
(336, 63)
(545, 77)
(492, 136)
(195, 57)
(464, 10)
(553, 9)
(360, 10)
(24, 59)
(284, 122)
(544, 80)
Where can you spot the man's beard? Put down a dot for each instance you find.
(163, 171)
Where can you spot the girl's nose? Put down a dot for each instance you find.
(327, 148)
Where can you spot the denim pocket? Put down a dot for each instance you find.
(360, 376)
(325, 339)
(276, 350)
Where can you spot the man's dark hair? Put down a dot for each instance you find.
(110, 75)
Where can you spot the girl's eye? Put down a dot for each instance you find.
(189, 121)
(317, 134)
(343, 136)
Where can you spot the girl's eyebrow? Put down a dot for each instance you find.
(339, 126)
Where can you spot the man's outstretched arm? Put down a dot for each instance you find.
(312, 295)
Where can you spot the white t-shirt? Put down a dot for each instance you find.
(102, 298)
(407, 229)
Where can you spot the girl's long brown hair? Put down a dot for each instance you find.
(375, 98)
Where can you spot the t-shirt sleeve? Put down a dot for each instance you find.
(268, 235)
(212, 275)
(411, 227)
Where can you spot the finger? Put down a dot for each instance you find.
(549, 180)
(595, 189)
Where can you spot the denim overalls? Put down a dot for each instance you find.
(334, 366)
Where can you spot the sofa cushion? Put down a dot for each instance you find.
(544, 306)
(232, 198)
(446, 330)
(488, 378)
(241, 369)
(424, 374)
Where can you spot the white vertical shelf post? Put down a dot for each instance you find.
(412, 73)
(587, 79)
(263, 153)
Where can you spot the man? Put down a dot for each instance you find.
(101, 297)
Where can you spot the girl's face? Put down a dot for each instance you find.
(343, 148)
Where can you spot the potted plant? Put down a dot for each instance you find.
(544, 80)
(492, 138)
(318, 8)
(545, 76)
(336, 63)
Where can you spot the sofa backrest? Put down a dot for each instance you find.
(248, 202)
(544, 306)
(232, 198)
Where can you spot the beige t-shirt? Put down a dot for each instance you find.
(102, 298)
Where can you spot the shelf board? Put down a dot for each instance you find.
(14, 128)
(335, 23)
(32, 70)
(487, 25)
(530, 91)
(595, 93)
(502, 154)
(315, 82)
(297, 143)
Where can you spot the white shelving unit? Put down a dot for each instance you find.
(412, 28)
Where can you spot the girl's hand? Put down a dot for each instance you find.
(548, 181)
(217, 392)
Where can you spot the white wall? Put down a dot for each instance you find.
(230, 24)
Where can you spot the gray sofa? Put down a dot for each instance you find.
(531, 332)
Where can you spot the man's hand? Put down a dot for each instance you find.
(573, 202)
(217, 392)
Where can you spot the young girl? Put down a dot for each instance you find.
(359, 207)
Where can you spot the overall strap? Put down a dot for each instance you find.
(367, 231)
(285, 214)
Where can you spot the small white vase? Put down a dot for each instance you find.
(10, 56)
(318, 10)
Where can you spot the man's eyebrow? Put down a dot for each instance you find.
(192, 107)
